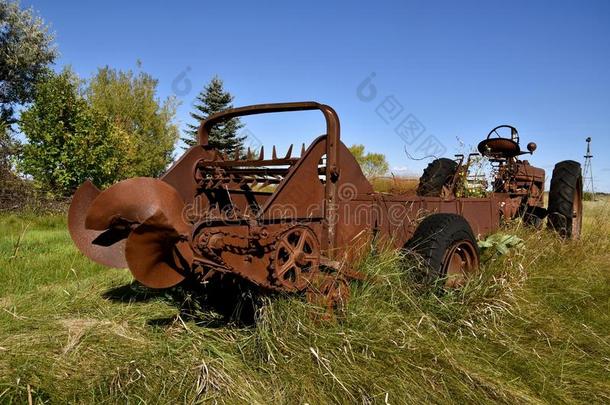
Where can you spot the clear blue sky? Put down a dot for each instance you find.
(459, 67)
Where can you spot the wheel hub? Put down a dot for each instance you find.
(460, 261)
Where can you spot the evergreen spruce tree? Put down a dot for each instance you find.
(213, 99)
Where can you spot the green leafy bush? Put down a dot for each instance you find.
(105, 130)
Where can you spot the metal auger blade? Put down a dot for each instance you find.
(111, 255)
(153, 211)
(158, 256)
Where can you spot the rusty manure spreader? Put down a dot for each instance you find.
(294, 224)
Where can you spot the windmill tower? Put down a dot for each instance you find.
(588, 171)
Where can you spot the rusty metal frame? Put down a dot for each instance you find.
(205, 215)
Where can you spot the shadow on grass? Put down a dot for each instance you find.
(216, 304)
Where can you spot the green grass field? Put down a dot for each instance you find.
(533, 328)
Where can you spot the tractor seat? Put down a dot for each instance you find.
(499, 148)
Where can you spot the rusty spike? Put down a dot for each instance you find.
(289, 153)
(249, 154)
(273, 153)
(302, 149)
(261, 155)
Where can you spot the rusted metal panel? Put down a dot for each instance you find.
(481, 214)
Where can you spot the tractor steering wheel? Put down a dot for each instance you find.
(514, 134)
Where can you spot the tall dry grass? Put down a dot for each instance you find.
(394, 184)
(533, 327)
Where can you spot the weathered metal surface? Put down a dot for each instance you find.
(275, 222)
(111, 256)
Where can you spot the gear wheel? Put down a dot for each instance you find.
(296, 260)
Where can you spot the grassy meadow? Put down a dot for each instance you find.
(534, 327)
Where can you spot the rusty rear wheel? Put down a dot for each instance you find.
(577, 214)
(438, 174)
(565, 200)
(448, 248)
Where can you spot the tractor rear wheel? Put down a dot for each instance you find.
(436, 175)
(448, 248)
(532, 217)
(565, 200)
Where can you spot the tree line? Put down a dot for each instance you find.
(105, 128)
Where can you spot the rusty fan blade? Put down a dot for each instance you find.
(111, 256)
(157, 250)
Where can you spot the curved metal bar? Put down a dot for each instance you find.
(330, 115)
(208, 123)
(333, 130)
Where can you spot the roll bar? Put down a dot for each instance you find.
(332, 125)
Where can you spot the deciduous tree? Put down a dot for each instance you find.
(67, 140)
(129, 101)
(372, 164)
(26, 51)
(6, 150)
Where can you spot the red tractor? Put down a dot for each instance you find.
(294, 224)
(520, 185)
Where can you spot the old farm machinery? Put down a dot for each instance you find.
(293, 224)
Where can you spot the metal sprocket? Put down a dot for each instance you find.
(296, 260)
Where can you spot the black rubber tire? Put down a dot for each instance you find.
(532, 220)
(436, 234)
(533, 217)
(566, 184)
(437, 174)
